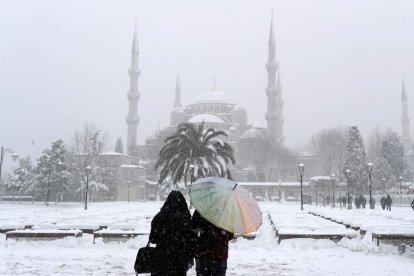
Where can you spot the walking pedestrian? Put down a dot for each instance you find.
(171, 232)
(212, 254)
(388, 202)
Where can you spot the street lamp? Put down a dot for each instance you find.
(88, 170)
(13, 154)
(191, 178)
(383, 184)
(369, 168)
(400, 178)
(301, 169)
(129, 182)
(348, 202)
(333, 190)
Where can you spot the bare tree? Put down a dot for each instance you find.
(87, 145)
(329, 144)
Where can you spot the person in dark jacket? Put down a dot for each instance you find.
(172, 234)
(363, 201)
(388, 202)
(212, 253)
(357, 202)
(382, 201)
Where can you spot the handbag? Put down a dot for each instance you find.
(144, 263)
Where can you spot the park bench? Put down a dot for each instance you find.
(85, 228)
(42, 234)
(332, 237)
(394, 239)
(108, 235)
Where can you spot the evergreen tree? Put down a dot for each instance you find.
(382, 175)
(393, 152)
(119, 147)
(52, 175)
(21, 180)
(355, 160)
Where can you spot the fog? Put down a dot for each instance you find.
(64, 63)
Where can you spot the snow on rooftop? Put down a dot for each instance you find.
(321, 178)
(132, 166)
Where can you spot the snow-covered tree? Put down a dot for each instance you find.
(393, 152)
(382, 175)
(21, 180)
(87, 145)
(52, 174)
(119, 147)
(355, 160)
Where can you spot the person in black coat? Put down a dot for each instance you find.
(383, 202)
(172, 234)
(212, 253)
(388, 202)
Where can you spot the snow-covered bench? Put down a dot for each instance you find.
(42, 234)
(305, 225)
(109, 235)
(394, 239)
(84, 227)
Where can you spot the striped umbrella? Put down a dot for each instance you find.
(226, 205)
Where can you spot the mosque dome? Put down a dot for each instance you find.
(252, 134)
(207, 118)
(213, 96)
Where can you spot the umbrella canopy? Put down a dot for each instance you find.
(226, 205)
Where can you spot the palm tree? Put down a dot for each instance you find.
(192, 145)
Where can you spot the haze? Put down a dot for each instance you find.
(64, 63)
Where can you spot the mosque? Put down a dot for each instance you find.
(216, 110)
(213, 108)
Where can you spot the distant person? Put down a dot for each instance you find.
(344, 201)
(213, 251)
(363, 201)
(350, 202)
(340, 201)
(357, 202)
(382, 201)
(372, 203)
(172, 234)
(388, 202)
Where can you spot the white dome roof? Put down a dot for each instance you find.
(213, 96)
(252, 133)
(207, 118)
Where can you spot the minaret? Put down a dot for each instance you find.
(176, 115)
(405, 121)
(133, 96)
(177, 102)
(274, 116)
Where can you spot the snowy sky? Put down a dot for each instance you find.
(63, 63)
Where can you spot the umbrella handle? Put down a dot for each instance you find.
(235, 186)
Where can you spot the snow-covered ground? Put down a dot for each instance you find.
(261, 256)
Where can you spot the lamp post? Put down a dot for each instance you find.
(333, 190)
(191, 178)
(383, 184)
(369, 168)
(400, 179)
(88, 170)
(3, 151)
(301, 169)
(129, 182)
(348, 202)
(60, 166)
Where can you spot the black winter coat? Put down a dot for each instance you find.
(213, 242)
(171, 232)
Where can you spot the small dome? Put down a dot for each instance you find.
(207, 118)
(239, 108)
(252, 133)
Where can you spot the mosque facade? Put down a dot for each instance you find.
(213, 107)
